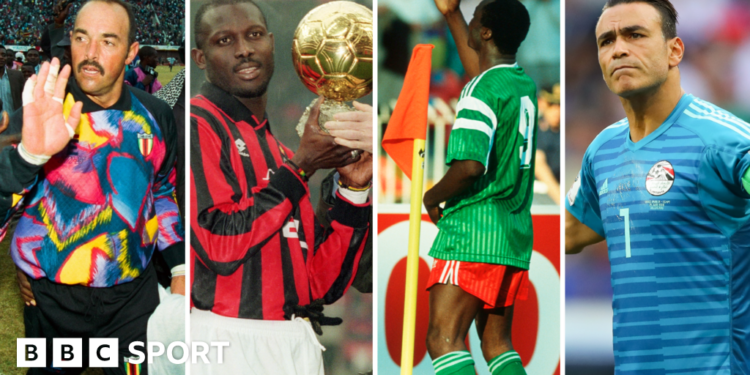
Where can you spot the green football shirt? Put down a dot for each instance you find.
(496, 126)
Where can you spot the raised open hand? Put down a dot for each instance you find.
(45, 129)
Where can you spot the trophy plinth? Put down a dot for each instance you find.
(327, 109)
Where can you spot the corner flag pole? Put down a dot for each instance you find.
(404, 141)
(412, 259)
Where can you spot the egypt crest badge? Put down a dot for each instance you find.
(145, 143)
(660, 178)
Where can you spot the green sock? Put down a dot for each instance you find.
(508, 363)
(454, 363)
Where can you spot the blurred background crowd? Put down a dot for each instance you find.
(402, 25)
(23, 21)
(717, 48)
(38, 30)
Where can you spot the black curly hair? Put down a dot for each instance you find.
(509, 21)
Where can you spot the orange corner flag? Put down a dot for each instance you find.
(409, 119)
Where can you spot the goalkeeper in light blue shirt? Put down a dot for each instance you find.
(667, 188)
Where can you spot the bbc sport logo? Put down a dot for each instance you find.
(103, 352)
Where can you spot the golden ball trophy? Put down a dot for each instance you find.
(332, 55)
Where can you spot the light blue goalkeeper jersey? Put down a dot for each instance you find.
(674, 212)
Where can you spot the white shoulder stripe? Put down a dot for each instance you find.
(718, 121)
(465, 90)
(474, 104)
(469, 86)
(473, 84)
(464, 123)
(476, 82)
(706, 108)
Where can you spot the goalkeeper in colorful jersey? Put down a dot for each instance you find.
(483, 248)
(667, 187)
(94, 179)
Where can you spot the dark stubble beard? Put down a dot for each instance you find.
(239, 91)
(250, 94)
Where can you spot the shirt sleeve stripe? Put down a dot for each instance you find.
(719, 114)
(716, 120)
(474, 104)
(463, 123)
(467, 124)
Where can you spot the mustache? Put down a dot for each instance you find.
(90, 63)
(246, 60)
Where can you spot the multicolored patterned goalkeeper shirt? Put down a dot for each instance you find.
(95, 212)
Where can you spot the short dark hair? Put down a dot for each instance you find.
(509, 21)
(199, 30)
(128, 10)
(146, 51)
(31, 50)
(664, 7)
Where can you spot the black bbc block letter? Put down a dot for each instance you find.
(99, 353)
(67, 352)
(31, 354)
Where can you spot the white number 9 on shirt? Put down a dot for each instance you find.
(526, 125)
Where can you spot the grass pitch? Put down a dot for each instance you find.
(165, 75)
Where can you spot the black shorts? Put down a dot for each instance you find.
(76, 311)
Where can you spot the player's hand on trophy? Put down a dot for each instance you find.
(317, 150)
(447, 6)
(45, 129)
(353, 129)
(357, 175)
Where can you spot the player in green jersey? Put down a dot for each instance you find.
(483, 247)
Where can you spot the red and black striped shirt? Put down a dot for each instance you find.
(257, 247)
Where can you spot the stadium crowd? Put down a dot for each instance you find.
(23, 21)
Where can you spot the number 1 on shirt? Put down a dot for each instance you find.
(625, 212)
